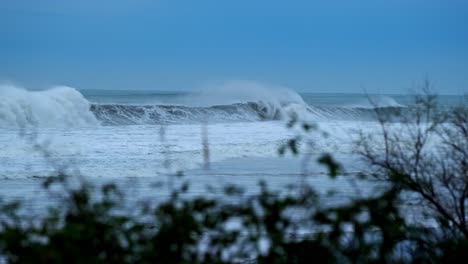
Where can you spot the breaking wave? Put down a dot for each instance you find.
(115, 114)
(66, 107)
(57, 107)
(237, 101)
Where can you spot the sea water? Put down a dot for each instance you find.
(137, 137)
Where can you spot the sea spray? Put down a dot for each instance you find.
(57, 107)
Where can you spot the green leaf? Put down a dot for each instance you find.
(333, 166)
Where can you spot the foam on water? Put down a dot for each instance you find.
(137, 151)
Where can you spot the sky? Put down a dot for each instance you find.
(332, 46)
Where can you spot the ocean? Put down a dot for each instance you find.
(229, 135)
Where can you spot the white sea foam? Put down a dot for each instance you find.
(57, 107)
(136, 151)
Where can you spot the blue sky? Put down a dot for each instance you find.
(313, 46)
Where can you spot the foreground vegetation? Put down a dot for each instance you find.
(425, 159)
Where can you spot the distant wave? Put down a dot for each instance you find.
(375, 101)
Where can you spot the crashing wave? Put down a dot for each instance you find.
(115, 114)
(60, 106)
(66, 107)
